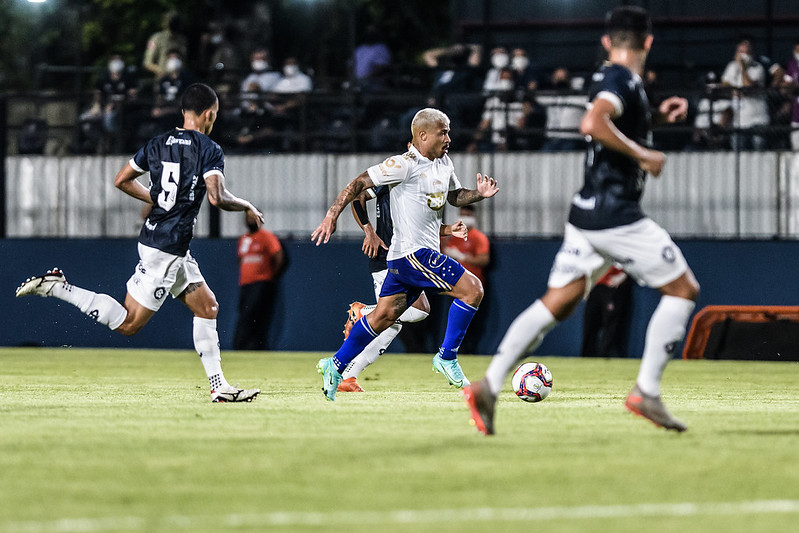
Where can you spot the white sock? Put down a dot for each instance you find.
(206, 342)
(368, 309)
(524, 335)
(372, 352)
(412, 314)
(100, 307)
(666, 328)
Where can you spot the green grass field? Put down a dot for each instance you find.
(115, 440)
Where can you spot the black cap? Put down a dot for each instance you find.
(628, 18)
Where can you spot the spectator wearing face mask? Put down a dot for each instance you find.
(115, 88)
(749, 106)
(293, 80)
(504, 114)
(499, 60)
(171, 85)
(262, 78)
(526, 74)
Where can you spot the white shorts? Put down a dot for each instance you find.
(377, 281)
(643, 249)
(158, 273)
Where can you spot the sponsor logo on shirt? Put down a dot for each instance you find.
(173, 140)
(435, 201)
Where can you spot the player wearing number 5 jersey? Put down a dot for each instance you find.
(184, 164)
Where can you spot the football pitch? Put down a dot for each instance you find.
(128, 440)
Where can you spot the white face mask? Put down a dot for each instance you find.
(173, 64)
(469, 221)
(216, 38)
(745, 58)
(499, 60)
(520, 62)
(290, 70)
(259, 65)
(116, 65)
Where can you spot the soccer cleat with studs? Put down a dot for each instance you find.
(330, 377)
(451, 370)
(481, 405)
(354, 314)
(652, 408)
(41, 285)
(230, 394)
(350, 385)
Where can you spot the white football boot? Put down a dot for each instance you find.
(232, 394)
(41, 285)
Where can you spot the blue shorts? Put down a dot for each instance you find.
(424, 269)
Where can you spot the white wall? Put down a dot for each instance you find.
(708, 194)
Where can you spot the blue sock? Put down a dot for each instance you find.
(460, 316)
(360, 336)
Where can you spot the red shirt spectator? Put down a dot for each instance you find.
(474, 253)
(260, 257)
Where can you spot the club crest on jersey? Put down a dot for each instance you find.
(435, 201)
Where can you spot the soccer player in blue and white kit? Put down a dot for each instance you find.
(421, 180)
(606, 224)
(184, 164)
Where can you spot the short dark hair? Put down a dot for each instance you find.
(197, 98)
(628, 27)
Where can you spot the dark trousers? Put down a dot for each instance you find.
(605, 322)
(256, 301)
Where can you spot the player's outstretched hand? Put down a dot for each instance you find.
(486, 186)
(372, 244)
(259, 217)
(322, 234)
(460, 230)
(674, 109)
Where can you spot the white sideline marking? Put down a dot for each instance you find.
(485, 514)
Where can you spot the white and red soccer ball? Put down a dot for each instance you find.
(532, 382)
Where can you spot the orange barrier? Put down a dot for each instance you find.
(703, 321)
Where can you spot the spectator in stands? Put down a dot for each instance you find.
(161, 43)
(262, 78)
(294, 80)
(791, 85)
(171, 86)
(503, 114)
(219, 59)
(749, 105)
(371, 61)
(499, 60)
(564, 111)
(261, 262)
(115, 88)
(713, 118)
(525, 73)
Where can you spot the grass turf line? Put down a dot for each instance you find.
(115, 435)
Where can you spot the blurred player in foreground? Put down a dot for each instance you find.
(421, 180)
(606, 224)
(183, 164)
(374, 246)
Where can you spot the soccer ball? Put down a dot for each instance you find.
(532, 382)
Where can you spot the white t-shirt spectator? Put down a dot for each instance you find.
(748, 110)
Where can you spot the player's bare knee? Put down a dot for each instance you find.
(129, 329)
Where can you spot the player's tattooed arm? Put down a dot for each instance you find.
(328, 226)
(486, 188)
